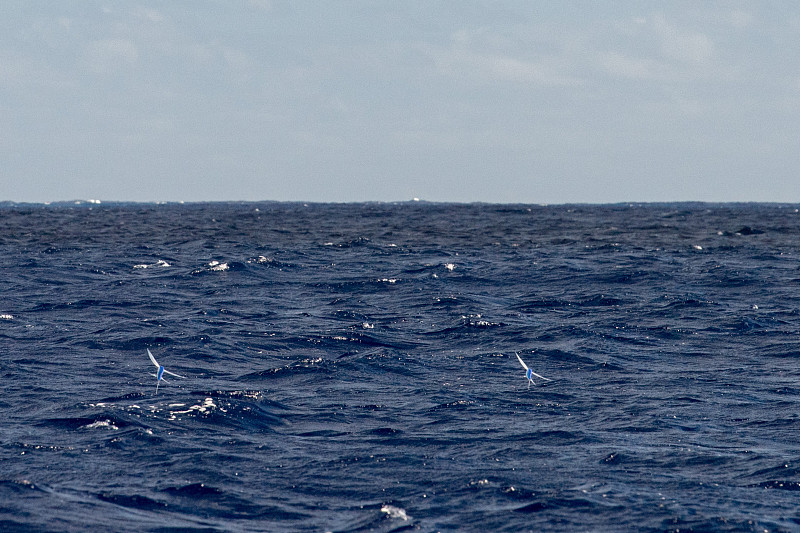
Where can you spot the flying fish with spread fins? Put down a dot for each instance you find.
(530, 373)
(161, 371)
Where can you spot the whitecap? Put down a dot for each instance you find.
(205, 407)
(218, 267)
(6, 317)
(101, 424)
(450, 266)
(394, 512)
(159, 263)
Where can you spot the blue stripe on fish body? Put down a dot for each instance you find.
(529, 374)
(160, 372)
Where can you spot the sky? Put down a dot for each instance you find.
(449, 101)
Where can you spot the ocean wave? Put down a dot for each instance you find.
(351, 367)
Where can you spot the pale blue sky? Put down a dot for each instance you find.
(506, 101)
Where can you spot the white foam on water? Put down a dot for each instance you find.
(100, 424)
(216, 266)
(160, 263)
(395, 512)
(205, 407)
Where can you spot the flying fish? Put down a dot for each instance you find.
(161, 371)
(530, 373)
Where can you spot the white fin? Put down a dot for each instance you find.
(153, 359)
(540, 377)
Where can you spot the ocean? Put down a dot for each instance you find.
(353, 367)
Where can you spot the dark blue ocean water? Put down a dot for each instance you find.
(352, 367)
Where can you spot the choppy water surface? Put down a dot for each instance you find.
(352, 368)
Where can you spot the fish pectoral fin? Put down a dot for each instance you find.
(173, 374)
(153, 359)
(540, 377)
